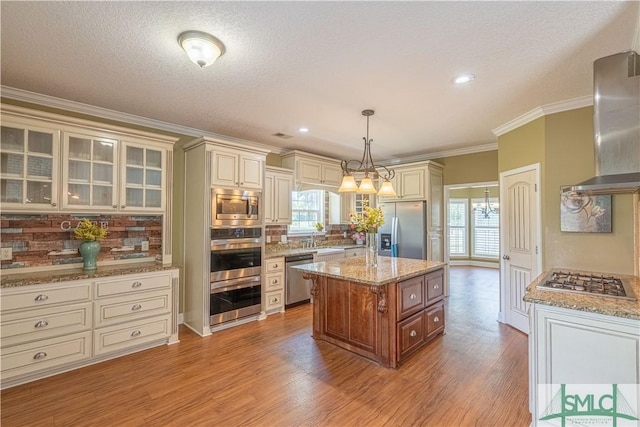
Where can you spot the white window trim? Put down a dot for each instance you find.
(309, 232)
(492, 200)
(467, 245)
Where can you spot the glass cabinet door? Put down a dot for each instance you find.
(143, 176)
(90, 173)
(28, 166)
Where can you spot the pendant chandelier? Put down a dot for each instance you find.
(370, 170)
(485, 208)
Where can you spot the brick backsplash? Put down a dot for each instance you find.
(332, 236)
(41, 240)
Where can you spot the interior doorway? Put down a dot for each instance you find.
(472, 226)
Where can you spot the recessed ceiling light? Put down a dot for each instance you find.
(465, 78)
(303, 130)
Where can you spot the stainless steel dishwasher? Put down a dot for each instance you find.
(297, 289)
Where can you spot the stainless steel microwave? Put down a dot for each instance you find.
(235, 208)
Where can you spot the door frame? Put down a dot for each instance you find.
(504, 231)
(446, 257)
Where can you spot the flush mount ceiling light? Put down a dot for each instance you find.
(366, 167)
(203, 49)
(465, 78)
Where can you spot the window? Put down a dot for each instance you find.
(485, 231)
(458, 225)
(307, 209)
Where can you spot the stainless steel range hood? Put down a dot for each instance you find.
(616, 123)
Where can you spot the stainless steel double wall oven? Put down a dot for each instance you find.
(236, 255)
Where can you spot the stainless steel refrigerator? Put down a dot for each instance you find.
(404, 233)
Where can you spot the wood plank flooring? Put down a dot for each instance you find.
(272, 373)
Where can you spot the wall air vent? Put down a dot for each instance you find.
(282, 135)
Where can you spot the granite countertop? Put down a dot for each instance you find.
(617, 307)
(55, 276)
(389, 269)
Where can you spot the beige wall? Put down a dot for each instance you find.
(274, 160)
(468, 168)
(563, 145)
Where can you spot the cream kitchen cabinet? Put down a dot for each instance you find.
(278, 184)
(29, 163)
(575, 347)
(409, 183)
(312, 170)
(354, 251)
(274, 285)
(233, 169)
(54, 162)
(50, 328)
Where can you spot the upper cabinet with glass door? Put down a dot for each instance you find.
(143, 172)
(89, 172)
(28, 167)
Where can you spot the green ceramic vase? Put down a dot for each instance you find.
(89, 251)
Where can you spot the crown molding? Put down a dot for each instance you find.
(536, 113)
(442, 154)
(105, 113)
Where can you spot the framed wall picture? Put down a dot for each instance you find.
(585, 214)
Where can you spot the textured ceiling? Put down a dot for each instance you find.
(318, 64)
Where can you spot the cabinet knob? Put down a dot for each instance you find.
(41, 324)
(114, 206)
(274, 300)
(413, 333)
(136, 333)
(275, 266)
(136, 307)
(506, 257)
(413, 296)
(54, 204)
(136, 284)
(436, 286)
(41, 297)
(274, 281)
(242, 183)
(436, 319)
(123, 206)
(39, 355)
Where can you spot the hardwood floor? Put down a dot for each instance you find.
(272, 373)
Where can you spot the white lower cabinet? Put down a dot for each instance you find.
(274, 285)
(579, 349)
(50, 328)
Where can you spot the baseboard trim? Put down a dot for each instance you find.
(474, 263)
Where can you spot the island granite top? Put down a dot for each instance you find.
(389, 269)
(56, 276)
(587, 302)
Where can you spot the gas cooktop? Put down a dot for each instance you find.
(587, 283)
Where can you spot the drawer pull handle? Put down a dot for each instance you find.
(275, 266)
(136, 284)
(413, 333)
(274, 300)
(413, 296)
(136, 333)
(136, 307)
(39, 355)
(436, 319)
(41, 324)
(41, 297)
(274, 281)
(436, 286)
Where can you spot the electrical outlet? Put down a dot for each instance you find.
(145, 245)
(6, 254)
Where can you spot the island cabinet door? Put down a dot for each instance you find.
(434, 320)
(410, 296)
(411, 335)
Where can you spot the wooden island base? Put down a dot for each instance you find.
(385, 323)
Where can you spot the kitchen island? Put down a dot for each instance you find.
(383, 313)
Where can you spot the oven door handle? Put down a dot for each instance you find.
(232, 284)
(236, 243)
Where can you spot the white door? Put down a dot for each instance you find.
(520, 241)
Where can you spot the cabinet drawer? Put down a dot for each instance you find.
(121, 337)
(410, 334)
(434, 318)
(45, 354)
(353, 252)
(274, 300)
(30, 325)
(126, 308)
(274, 264)
(41, 296)
(274, 282)
(410, 296)
(434, 285)
(134, 283)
